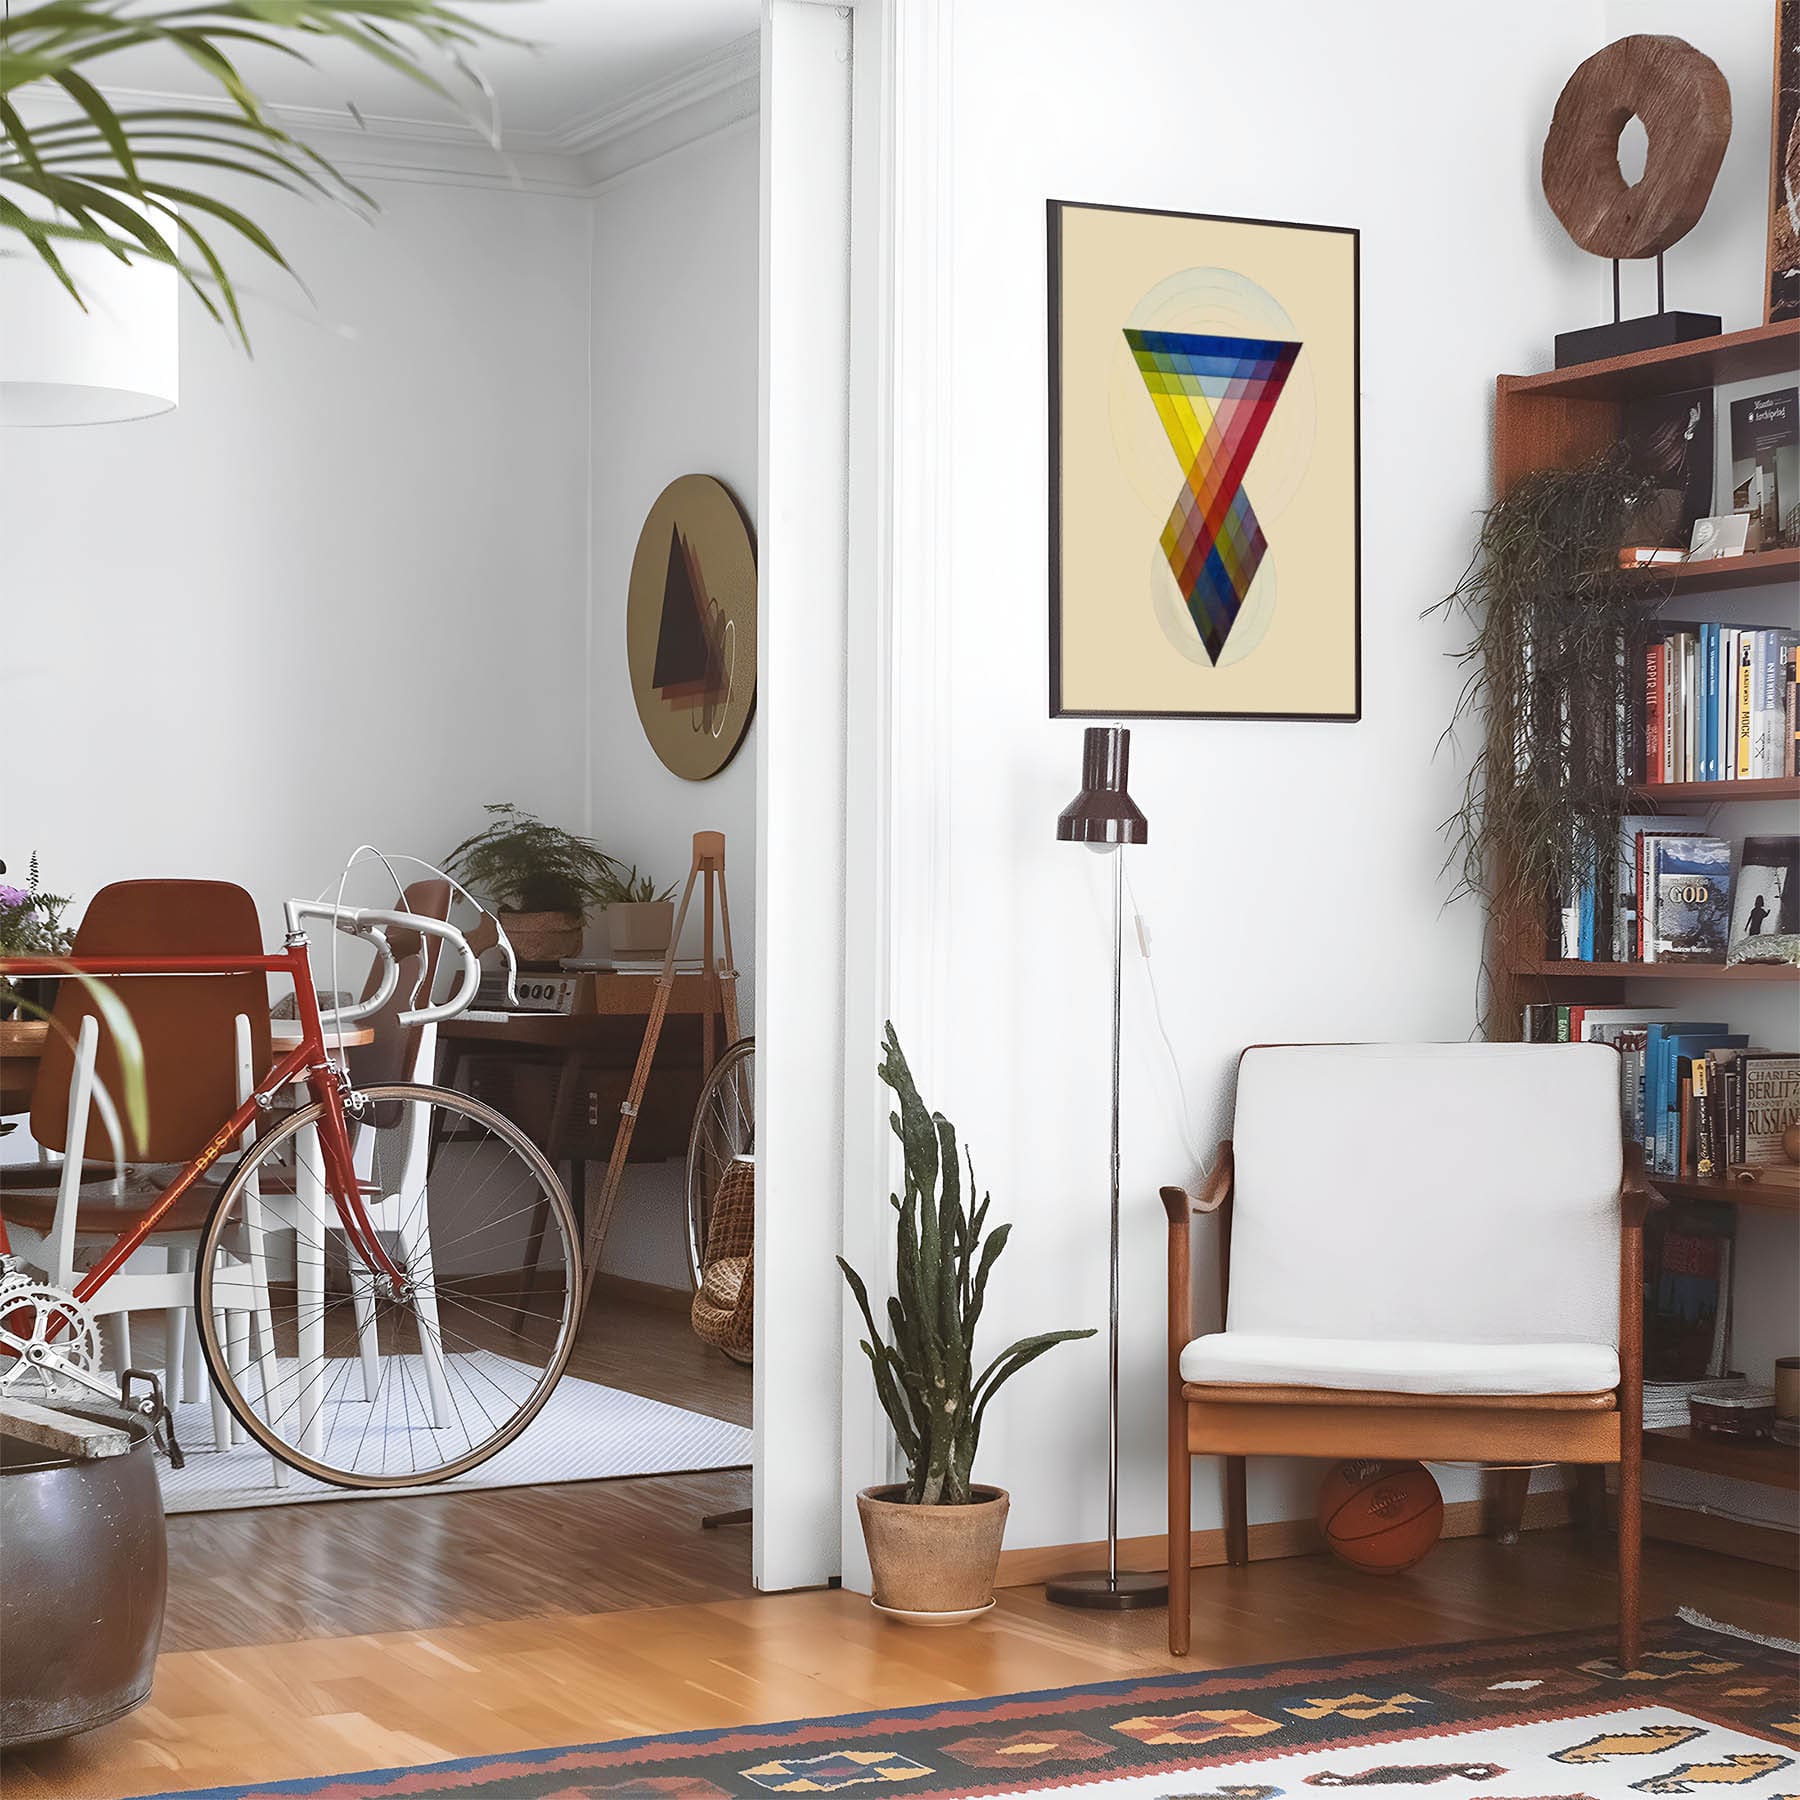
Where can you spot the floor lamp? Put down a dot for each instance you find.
(1104, 817)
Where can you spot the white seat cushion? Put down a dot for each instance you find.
(1394, 1366)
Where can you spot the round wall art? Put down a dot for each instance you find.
(690, 626)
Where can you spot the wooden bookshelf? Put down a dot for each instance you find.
(1549, 970)
(1763, 350)
(1743, 1459)
(1765, 1197)
(1760, 568)
(1558, 420)
(1712, 793)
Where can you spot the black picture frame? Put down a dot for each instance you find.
(1055, 209)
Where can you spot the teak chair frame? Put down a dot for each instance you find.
(1237, 1420)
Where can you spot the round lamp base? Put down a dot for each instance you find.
(1095, 1590)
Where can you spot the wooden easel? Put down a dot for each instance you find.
(720, 976)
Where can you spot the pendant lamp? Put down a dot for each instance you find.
(59, 365)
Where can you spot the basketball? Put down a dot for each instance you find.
(1380, 1517)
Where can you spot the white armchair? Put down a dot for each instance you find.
(1426, 1251)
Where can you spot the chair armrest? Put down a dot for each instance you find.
(1636, 1196)
(1179, 1204)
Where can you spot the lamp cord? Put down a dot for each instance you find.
(1184, 1116)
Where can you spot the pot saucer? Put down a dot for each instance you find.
(901, 1616)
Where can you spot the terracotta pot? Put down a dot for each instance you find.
(933, 1559)
(542, 939)
(640, 927)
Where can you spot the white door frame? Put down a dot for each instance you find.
(852, 807)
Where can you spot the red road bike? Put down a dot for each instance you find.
(387, 1280)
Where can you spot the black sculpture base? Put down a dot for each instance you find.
(1094, 1590)
(1625, 337)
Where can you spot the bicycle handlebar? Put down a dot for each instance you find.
(373, 925)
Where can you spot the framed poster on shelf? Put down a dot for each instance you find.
(1204, 466)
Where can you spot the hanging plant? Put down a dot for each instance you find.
(1549, 681)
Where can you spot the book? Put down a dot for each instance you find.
(1741, 761)
(1768, 1103)
(1687, 1302)
(1765, 457)
(1633, 829)
(1770, 651)
(1766, 897)
(1669, 439)
(1688, 881)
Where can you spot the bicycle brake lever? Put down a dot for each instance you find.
(156, 1409)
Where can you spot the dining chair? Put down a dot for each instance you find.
(1425, 1251)
(203, 1041)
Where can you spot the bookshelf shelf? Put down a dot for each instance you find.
(1769, 1198)
(1764, 350)
(1760, 568)
(1655, 971)
(1758, 1460)
(1778, 787)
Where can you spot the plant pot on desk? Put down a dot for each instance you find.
(933, 1565)
(542, 939)
(640, 928)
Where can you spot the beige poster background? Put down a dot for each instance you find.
(1126, 644)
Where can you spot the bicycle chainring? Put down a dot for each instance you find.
(34, 1312)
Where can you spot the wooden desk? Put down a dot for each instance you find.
(562, 1076)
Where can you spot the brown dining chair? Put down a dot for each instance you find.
(1429, 1251)
(197, 1036)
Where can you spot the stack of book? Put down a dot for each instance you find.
(1719, 704)
(1699, 1097)
(1678, 894)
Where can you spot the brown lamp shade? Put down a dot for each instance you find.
(1103, 812)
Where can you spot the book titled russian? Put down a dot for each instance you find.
(1690, 888)
(1765, 458)
(1770, 1099)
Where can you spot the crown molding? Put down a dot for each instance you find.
(724, 74)
(706, 96)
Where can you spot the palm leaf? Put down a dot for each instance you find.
(79, 168)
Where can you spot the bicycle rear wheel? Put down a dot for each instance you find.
(348, 1376)
(724, 1127)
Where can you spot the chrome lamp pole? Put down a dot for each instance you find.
(1105, 818)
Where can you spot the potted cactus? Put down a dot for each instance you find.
(934, 1539)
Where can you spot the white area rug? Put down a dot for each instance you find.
(586, 1432)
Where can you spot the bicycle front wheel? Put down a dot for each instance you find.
(358, 1379)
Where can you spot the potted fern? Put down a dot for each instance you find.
(542, 878)
(934, 1539)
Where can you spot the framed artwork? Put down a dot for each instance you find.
(690, 626)
(1204, 467)
(1784, 168)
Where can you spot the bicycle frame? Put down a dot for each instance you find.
(308, 1061)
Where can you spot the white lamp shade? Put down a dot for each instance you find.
(61, 366)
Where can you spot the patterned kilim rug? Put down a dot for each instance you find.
(1544, 1718)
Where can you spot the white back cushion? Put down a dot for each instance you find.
(1457, 1192)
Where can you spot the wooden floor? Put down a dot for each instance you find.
(336, 1704)
(281, 1573)
(315, 1640)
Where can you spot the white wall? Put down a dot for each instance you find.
(674, 361)
(376, 528)
(1292, 879)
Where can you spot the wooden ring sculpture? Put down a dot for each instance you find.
(1684, 102)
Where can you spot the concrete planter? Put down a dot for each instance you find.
(640, 928)
(933, 1565)
(542, 939)
(81, 1607)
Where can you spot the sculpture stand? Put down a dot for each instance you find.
(1624, 337)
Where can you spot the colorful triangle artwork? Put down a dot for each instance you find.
(1214, 396)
